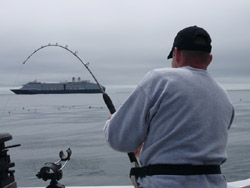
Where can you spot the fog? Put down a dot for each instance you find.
(122, 40)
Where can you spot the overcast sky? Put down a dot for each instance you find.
(122, 39)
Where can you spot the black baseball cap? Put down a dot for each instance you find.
(185, 40)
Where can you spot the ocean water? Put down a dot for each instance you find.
(47, 124)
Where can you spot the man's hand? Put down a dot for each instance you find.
(138, 151)
(110, 116)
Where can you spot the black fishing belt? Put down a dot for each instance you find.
(175, 169)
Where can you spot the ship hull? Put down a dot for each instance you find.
(33, 92)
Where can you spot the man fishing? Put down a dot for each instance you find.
(181, 116)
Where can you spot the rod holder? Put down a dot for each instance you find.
(53, 171)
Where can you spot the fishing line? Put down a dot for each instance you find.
(8, 98)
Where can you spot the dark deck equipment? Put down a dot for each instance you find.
(7, 179)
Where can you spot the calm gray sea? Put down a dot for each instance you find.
(47, 124)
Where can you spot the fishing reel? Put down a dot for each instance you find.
(53, 171)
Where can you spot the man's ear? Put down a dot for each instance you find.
(177, 54)
(211, 58)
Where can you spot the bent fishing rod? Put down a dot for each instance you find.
(106, 97)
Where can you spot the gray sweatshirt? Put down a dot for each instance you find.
(182, 115)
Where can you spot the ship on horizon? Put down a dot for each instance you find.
(75, 86)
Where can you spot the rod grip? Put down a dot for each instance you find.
(109, 103)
